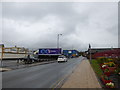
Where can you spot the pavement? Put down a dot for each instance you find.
(40, 76)
(13, 64)
(82, 77)
(4, 69)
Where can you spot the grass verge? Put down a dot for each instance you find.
(96, 68)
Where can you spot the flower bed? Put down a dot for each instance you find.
(109, 68)
(112, 69)
(110, 85)
(107, 73)
(103, 66)
(106, 81)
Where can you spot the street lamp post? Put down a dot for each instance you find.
(58, 40)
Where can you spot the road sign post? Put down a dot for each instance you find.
(90, 53)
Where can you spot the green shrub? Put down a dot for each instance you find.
(101, 60)
(117, 70)
(106, 70)
(111, 64)
(110, 60)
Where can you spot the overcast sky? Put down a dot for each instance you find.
(36, 24)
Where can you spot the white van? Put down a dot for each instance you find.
(62, 59)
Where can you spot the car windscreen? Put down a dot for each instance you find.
(60, 57)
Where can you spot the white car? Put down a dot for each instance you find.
(62, 59)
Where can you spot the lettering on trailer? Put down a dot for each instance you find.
(44, 51)
(49, 51)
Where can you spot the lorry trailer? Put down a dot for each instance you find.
(48, 53)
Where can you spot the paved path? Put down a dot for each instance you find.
(82, 77)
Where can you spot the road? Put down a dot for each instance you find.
(41, 76)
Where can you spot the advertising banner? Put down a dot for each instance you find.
(50, 51)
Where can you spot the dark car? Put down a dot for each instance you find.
(30, 59)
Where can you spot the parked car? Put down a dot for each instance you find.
(62, 59)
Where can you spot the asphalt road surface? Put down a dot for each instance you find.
(41, 76)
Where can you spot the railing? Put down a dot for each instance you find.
(13, 52)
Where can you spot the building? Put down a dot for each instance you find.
(70, 53)
(114, 53)
(103, 52)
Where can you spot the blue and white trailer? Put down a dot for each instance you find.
(49, 53)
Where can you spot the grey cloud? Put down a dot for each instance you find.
(36, 25)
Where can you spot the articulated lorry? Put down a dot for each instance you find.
(48, 53)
